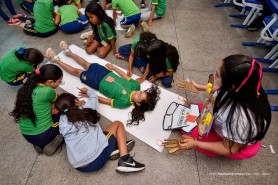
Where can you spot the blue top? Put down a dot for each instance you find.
(85, 145)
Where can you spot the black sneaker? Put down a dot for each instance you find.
(38, 149)
(27, 20)
(116, 153)
(129, 166)
(51, 147)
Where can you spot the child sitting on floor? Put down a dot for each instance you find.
(44, 16)
(71, 20)
(135, 53)
(33, 109)
(163, 61)
(17, 64)
(132, 15)
(122, 91)
(104, 34)
(156, 11)
(241, 111)
(88, 147)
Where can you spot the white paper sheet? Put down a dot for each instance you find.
(150, 130)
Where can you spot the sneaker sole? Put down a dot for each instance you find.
(116, 154)
(50, 149)
(145, 26)
(128, 169)
(86, 35)
(130, 31)
(48, 55)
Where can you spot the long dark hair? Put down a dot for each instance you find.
(138, 112)
(23, 104)
(255, 106)
(62, 2)
(141, 46)
(31, 55)
(86, 117)
(157, 53)
(96, 9)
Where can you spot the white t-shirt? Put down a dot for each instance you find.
(240, 126)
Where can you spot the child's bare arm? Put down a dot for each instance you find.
(130, 63)
(117, 70)
(104, 100)
(114, 16)
(113, 44)
(143, 78)
(57, 19)
(151, 15)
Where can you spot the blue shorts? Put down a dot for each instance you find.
(29, 29)
(72, 27)
(19, 79)
(100, 161)
(48, 135)
(134, 19)
(94, 75)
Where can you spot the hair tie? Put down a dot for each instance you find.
(249, 74)
(21, 51)
(37, 71)
(66, 110)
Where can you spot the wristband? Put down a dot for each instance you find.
(209, 89)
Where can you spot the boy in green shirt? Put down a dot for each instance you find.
(44, 16)
(71, 20)
(156, 10)
(132, 15)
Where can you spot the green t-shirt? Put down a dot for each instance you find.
(118, 89)
(68, 13)
(42, 98)
(105, 32)
(20, 1)
(135, 42)
(43, 10)
(11, 66)
(128, 7)
(160, 7)
(168, 65)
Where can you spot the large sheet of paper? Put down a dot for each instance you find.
(150, 130)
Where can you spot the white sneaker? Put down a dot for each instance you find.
(86, 35)
(130, 31)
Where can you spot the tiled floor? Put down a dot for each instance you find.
(203, 37)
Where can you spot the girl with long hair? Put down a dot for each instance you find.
(104, 34)
(122, 91)
(88, 147)
(135, 53)
(18, 63)
(33, 109)
(241, 111)
(163, 61)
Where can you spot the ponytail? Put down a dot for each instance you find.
(86, 117)
(23, 104)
